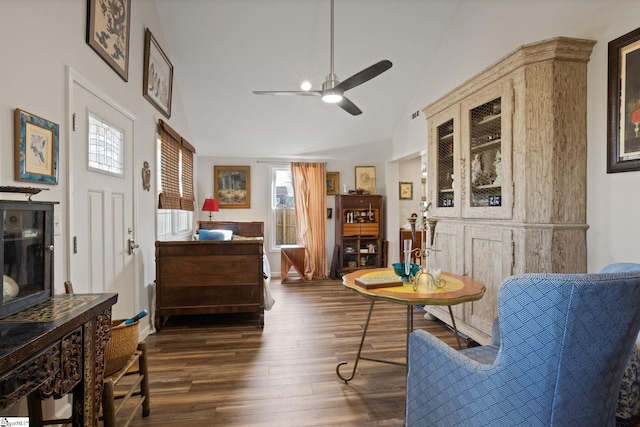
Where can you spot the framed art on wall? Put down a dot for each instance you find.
(406, 191)
(623, 104)
(366, 179)
(36, 148)
(108, 32)
(232, 186)
(333, 183)
(157, 79)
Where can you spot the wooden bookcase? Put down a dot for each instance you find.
(359, 236)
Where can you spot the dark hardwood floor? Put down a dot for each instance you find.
(223, 371)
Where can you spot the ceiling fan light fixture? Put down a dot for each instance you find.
(332, 97)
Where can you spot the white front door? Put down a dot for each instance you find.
(101, 198)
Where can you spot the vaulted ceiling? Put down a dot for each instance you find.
(222, 50)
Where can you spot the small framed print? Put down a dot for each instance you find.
(36, 148)
(333, 183)
(406, 191)
(366, 179)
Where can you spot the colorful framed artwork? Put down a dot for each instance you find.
(333, 183)
(623, 104)
(157, 78)
(366, 179)
(36, 148)
(406, 191)
(232, 186)
(108, 32)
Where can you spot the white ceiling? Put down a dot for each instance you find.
(222, 50)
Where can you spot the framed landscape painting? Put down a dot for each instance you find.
(232, 186)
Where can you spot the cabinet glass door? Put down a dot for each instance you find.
(487, 152)
(26, 257)
(443, 171)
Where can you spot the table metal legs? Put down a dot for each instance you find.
(359, 356)
(409, 330)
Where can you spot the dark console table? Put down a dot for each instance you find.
(54, 348)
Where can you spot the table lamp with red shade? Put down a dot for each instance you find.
(210, 205)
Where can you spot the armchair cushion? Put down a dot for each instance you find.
(560, 361)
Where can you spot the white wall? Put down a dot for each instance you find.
(481, 33)
(40, 40)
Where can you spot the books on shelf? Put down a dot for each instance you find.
(373, 282)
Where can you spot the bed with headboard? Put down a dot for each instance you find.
(213, 276)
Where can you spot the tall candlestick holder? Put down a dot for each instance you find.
(427, 246)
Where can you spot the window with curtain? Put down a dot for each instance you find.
(176, 198)
(283, 213)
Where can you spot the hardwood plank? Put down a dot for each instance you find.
(220, 370)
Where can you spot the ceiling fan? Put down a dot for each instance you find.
(332, 89)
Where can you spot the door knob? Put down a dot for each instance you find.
(132, 245)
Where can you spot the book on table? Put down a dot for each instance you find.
(373, 282)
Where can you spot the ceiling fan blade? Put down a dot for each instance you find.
(364, 75)
(288, 92)
(349, 107)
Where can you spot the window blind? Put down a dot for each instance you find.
(176, 170)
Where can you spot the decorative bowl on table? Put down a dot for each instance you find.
(398, 268)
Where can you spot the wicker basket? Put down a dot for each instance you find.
(123, 342)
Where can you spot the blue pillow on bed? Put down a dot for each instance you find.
(210, 235)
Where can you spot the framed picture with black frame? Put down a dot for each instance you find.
(623, 104)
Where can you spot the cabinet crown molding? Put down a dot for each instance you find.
(557, 48)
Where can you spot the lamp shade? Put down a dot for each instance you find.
(210, 205)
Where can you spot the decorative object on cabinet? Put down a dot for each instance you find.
(406, 190)
(366, 179)
(333, 183)
(157, 78)
(36, 148)
(359, 238)
(146, 176)
(27, 254)
(210, 205)
(232, 186)
(623, 124)
(329, 213)
(29, 192)
(522, 203)
(108, 32)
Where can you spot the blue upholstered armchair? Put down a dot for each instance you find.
(564, 341)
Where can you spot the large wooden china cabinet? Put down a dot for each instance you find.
(507, 172)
